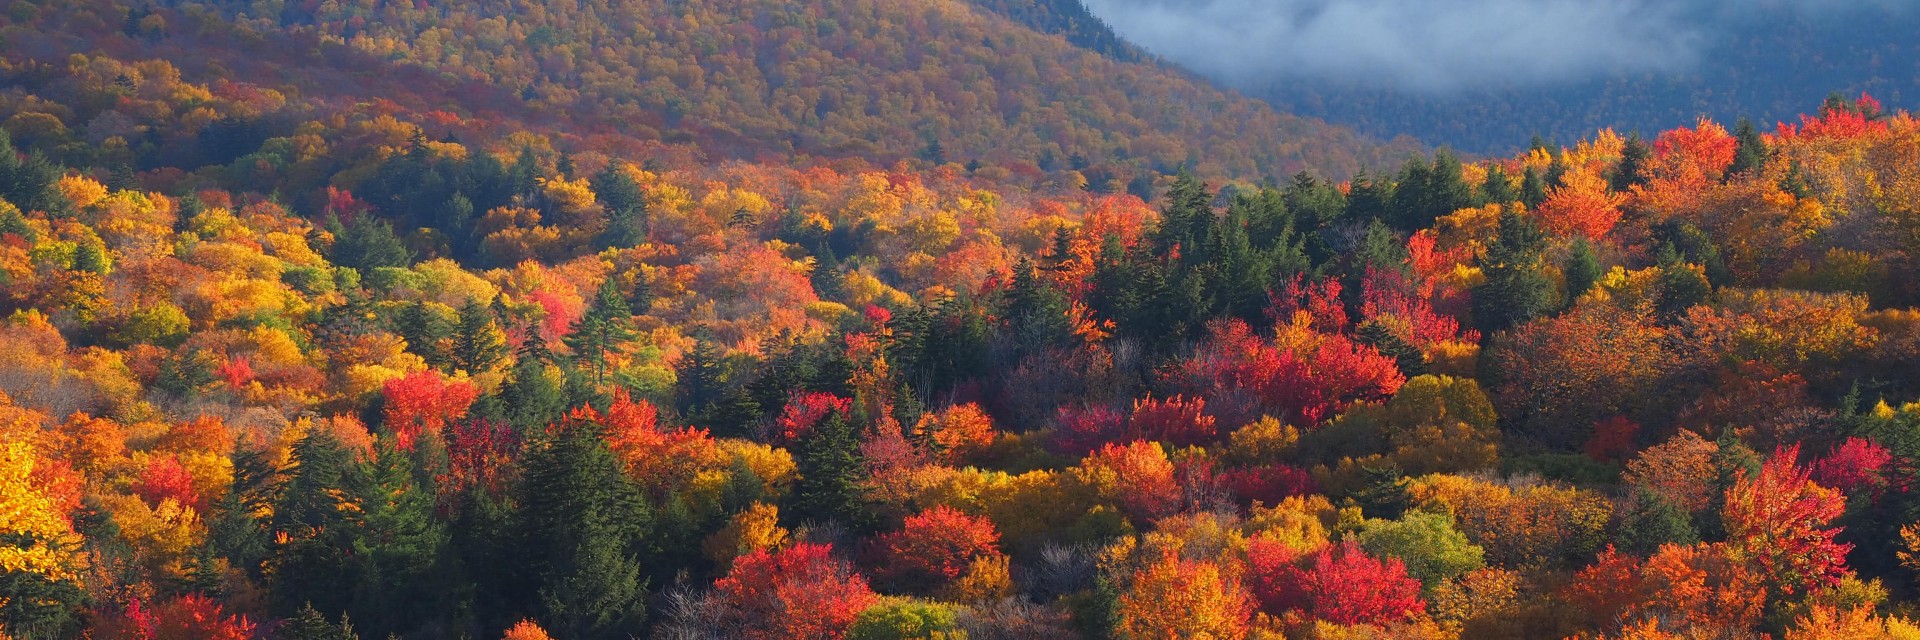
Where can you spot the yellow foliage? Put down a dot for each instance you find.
(1300, 522)
(28, 513)
(751, 530)
(82, 191)
(988, 579)
(1263, 441)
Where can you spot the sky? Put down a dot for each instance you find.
(1450, 46)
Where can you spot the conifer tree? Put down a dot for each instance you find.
(478, 344)
(1582, 270)
(832, 474)
(532, 395)
(1750, 154)
(1517, 287)
(626, 207)
(582, 529)
(602, 329)
(1632, 169)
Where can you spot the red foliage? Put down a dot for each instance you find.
(1138, 476)
(189, 616)
(798, 592)
(1083, 429)
(933, 548)
(805, 410)
(1613, 439)
(656, 458)
(1340, 583)
(479, 453)
(237, 372)
(206, 433)
(1267, 484)
(1856, 466)
(423, 402)
(1838, 123)
(163, 478)
(1388, 296)
(1307, 388)
(1777, 520)
(1321, 301)
(1178, 420)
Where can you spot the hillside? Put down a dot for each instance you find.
(862, 79)
(301, 339)
(1766, 72)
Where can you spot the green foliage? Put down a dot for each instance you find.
(1433, 550)
(907, 620)
(583, 530)
(1517, 288)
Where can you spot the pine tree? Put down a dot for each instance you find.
(832, 475)
(397, 544)
(1406, 356)
(532, 394)
(424, 330)
(1517, 287)
(310, 624)
(702, 376)
(604, 328)
(1497, 189)
(478, 344)
(1751, 153)
(1582, 270)
(1533, 189)
(1632, 169)
(582, 524)
(367, 243)
(1681, 286)
(314, 564)
(625, 205)
(1652, 521)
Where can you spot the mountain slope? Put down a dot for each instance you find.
(1767, 72)
(837, 78)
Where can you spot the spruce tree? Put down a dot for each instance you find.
(314, 565)
(1751, 153)
(582, 527)
(397, 544)
(832, 475)
(1632, 169)
(310, 624)
(367, 243)
(1681, 286)
(604, 328)
(1533, 189)
(1497, 189)
(1517, 287)
(1582, 270)
(626, 208)
(532, 395)
(478, 344)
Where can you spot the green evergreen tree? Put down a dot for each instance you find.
(314, 565)
(1632, 169)
(625, 205)
(397, 544)
(1652, 521)
(1497, 188)
(478, 344)
(532, 394)
(604, 328)
(702, 376)
(1517, 287)
(91, 257)
(1582, 269)
(310, 624)
(425, 332)
(1750, 156)
(1681, 286)
(1406, 356)
(1533, 189)
(583, 526)
(367, 243)
(832, 475)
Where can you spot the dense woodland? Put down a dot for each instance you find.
(278, 365)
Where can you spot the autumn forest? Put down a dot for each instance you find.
(891, 319)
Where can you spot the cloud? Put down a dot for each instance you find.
(1439, 46)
